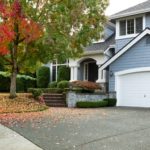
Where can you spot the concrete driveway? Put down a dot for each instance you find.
(90, 129)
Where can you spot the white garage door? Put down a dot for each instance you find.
(133, 89)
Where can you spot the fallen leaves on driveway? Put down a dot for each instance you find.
(53, 114)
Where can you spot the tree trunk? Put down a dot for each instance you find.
(14, 62)
(13, 84)
(13, 74)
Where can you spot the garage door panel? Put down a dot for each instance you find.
(134, 90)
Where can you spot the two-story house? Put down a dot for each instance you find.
(129, 68)
(121, 60)
(87, 67)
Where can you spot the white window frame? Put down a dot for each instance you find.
(57, 65)
(118, 36)
(86, 73)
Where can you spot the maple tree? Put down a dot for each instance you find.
(17, 31)
(69, 26)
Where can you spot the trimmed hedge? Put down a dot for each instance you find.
(43, 76)
(92, 104)
(79, 90)
(111, 101)
(87, 91)
(46, 90)
(63, 73)
(23, 82)
(53, 84)
(63, 84)
(4, 83)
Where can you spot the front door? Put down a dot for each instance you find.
(90, 71)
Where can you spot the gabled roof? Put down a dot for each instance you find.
(137, 9)
(125, 48)
(101, 45)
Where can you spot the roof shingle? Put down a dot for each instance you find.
(137, 9)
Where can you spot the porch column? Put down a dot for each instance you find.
(71, 74)
(101, 76)
(102, 79)
(74, 73)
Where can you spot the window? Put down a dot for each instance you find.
(55, 66)
(54, 74)
(86, 70)
(131, 26)
(123, 27)
(139, 24)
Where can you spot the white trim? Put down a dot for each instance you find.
(125, 36)
(121, 101)
(87, 63)
(118, 36)
(57, 65)
(111, 46)
(144, 21)
(147, 31)
(99, 41)
(129, 71)
(86, 53)
(86, 73)
(51, 72)
(129, 14)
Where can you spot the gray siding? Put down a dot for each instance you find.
(137, 56)
(121, 43)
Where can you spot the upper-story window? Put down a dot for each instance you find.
(131, 26)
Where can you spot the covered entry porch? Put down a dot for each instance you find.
(87, 69)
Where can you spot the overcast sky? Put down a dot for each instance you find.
(118, 5)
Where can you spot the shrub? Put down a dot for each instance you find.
(36, 93)
(77, 90)
(86, 85)
(52, 84)
(63, 84)
(63, 73)
(4, 83)
(111, 101)
(47, 90)
(30, 90)
(87, 91)
(92, 104)
(23, 82)
(43, 76)
(20, 85)
(52, 90)
(30, 84)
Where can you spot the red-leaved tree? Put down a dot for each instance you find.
(15, 29)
